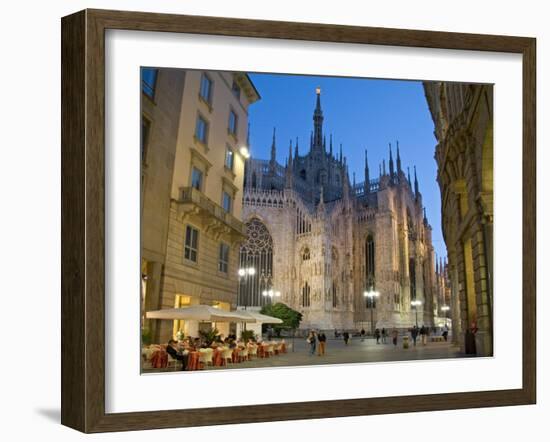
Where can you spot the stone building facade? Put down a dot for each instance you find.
(463, 118)
(194, 126)
(322, 241)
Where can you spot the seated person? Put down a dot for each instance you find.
(172, 350)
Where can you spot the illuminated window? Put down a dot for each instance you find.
(229, 157)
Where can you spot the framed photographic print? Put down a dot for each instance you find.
(252, 209)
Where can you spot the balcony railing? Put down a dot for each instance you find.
(189, 196)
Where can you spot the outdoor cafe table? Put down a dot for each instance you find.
(217, 358)
(159, 359)
(193, 361)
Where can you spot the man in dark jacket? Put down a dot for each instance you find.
(346, 337)
(414, 334)
(172, 350)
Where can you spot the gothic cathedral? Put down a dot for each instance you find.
(321, 242)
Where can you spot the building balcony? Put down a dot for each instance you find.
(215, 219)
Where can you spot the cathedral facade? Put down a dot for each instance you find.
(320, 241)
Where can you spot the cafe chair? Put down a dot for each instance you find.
(172, 363)
(205, 357)
(227, 355)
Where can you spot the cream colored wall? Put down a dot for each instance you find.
(218, 137)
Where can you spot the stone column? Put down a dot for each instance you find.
(484, 336)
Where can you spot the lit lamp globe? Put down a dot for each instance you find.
(244, 152)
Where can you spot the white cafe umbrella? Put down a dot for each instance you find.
(198, 313)
(264, 319)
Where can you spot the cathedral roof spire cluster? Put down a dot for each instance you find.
(326, 166)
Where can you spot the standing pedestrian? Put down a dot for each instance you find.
(423, 334)
(414, 334)
(377, 335)
(384, 333)
(311, 340)
(362, 334)
(346, 337)
(322, 343)
(394, 335)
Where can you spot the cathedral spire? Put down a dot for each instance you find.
(273, 148)
(367, 175)
(416, 192)
(409, 176)
(425, 217)
(290, 154)
(398, 160)
(391, 164)
(384, 166)
(296, 149)
(318, 121)
(331, 145)
(289, 167)
(340, 152)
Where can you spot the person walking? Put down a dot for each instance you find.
(321, 337)
(394, 335)
(414, 334)
(362, 334)
(311, 340)
(445, 333)
(423, 335)
(377, 335)
(384, 334)
(346, 337)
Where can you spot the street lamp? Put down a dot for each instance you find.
(371, 295)
(416, 303)
(244, 273)
(271, 293)
(244, 152)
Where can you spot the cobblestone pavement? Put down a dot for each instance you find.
(357, 351)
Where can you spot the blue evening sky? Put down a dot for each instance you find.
(360, 113)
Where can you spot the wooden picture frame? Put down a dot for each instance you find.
(83, 220)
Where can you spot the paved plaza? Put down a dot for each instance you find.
(356, 351)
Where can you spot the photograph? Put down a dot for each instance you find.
(302, 220)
